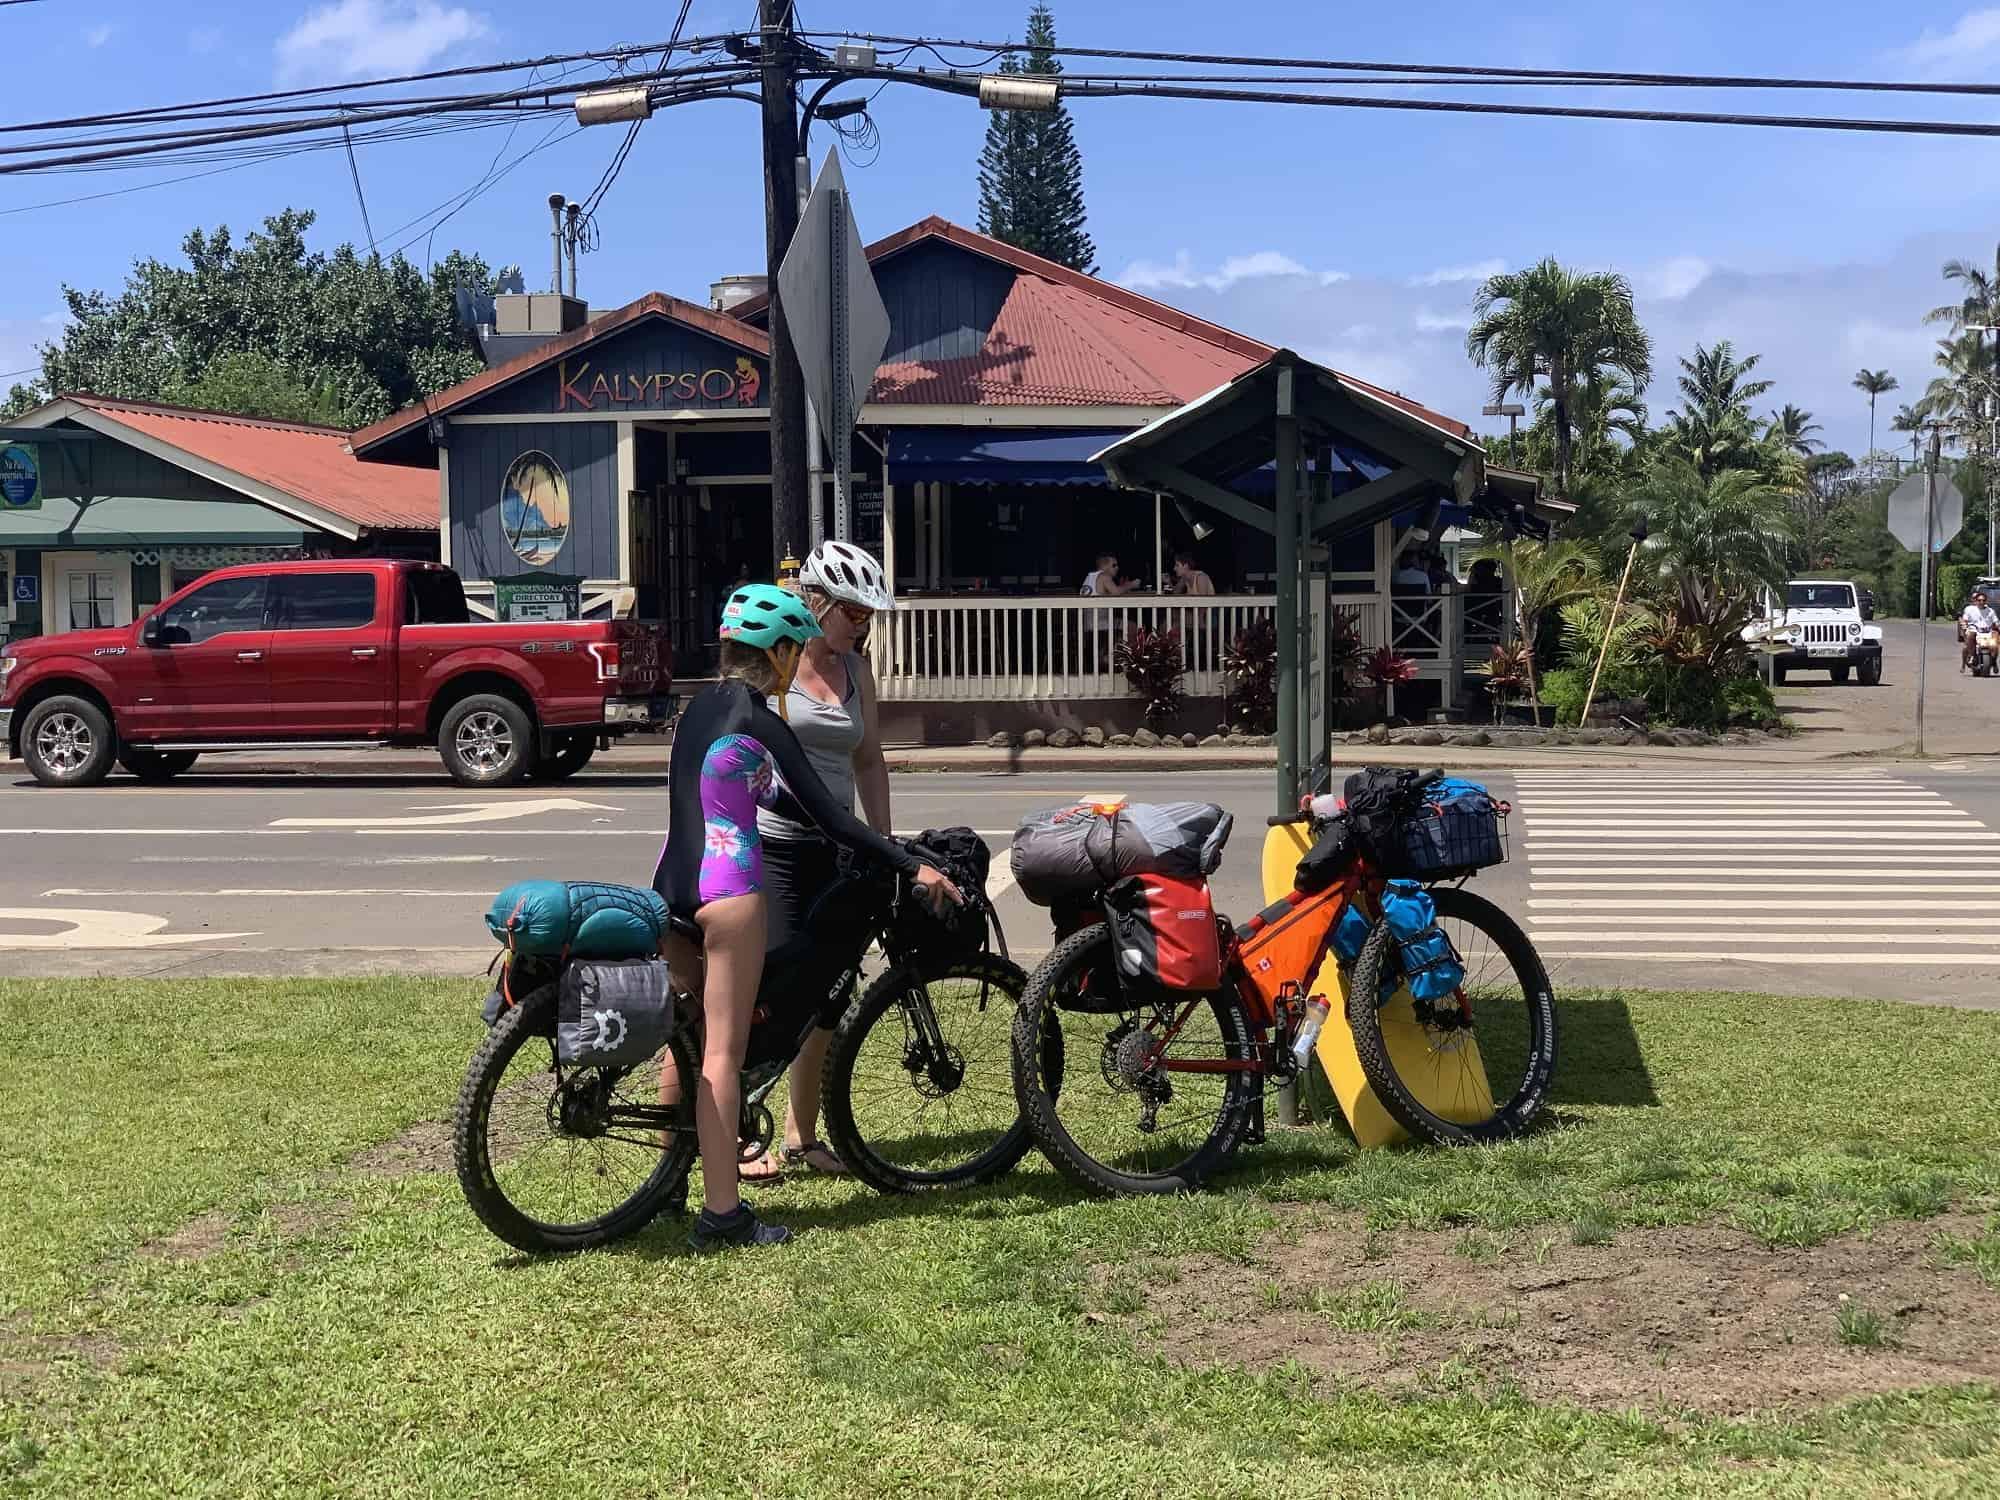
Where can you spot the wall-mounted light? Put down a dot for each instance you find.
(440, 432)
(1201, 529)
(680, 468)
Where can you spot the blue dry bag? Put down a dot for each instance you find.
(1431, 966)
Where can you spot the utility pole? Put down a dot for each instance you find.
(1924, 586)
(787, 395)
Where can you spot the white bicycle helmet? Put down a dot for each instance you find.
(842, 571)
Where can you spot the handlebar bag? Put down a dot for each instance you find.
(1454, 829)
(613, 1015)
(1066, 854)
(957, 931)
(577, 919)
(1164, 931)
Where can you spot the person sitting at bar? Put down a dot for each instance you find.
(1102, 581)
(1411, 576)
(1189, 579)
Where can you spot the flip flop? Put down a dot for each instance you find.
(772, 1171)
(802, 1156)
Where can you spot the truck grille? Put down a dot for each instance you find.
(1823, 635)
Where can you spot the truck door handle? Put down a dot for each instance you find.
(249, 656)
(365, 653)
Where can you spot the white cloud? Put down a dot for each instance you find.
(204, 39)
(1971, 47)
(55, 319)
(1450, 275)
(1182, 274)
(98, 35)
(1672, 279)
(1434, 322)
(357, 38)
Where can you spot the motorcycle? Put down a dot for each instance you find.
(1986, 653)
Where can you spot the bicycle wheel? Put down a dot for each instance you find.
(556, 1159)
(1475, 1067)
(916, 1087)
(1126, 1121)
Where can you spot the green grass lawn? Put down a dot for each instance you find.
(201, 1292)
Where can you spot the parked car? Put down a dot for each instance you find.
(319, 655)
(1820, 627)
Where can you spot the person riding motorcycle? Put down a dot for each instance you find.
(711, 869)
(1977, 616)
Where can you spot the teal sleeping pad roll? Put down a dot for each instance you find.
(577, 919)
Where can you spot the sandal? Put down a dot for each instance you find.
(760, 1168)
(802, 1156)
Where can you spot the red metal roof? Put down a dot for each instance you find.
(313, 464)
(659, 304)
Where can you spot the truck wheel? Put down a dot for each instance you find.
(572, 753)
(68, 742)
(155, 765)
(1838, 674)
(487, 741)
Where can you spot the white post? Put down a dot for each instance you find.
(628, 487)
(1159, 545)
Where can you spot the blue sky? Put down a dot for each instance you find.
(1355, 236)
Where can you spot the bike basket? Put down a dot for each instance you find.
(613, 1015)
(1456, 829)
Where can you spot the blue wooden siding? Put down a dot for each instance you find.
(942, 300)
(653, 366)
(587, 453)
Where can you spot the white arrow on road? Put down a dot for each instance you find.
(85, 928)
(448, 813)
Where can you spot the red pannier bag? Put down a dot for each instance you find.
(1164, 931)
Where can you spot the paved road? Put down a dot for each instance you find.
(1962, 713)
(1869, 882)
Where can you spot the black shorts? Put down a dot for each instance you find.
(797, 872)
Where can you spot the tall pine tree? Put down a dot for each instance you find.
(1031, 172)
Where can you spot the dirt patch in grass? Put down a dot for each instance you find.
(424, 1147)
(198, 1239)
(297, 1221)
(1704, 1318)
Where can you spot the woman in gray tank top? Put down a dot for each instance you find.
(831, 705)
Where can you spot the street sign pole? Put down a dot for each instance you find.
(845, 397)
(1924, 590)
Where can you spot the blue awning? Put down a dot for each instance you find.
(987, 455)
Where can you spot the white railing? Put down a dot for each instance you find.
(973, 649)
(984, 649)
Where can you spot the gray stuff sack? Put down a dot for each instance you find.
(613, 1014)
(1066, 853)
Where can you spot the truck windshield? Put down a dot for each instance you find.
(1820, 596)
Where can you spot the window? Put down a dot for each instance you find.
(226, 605)
(93, 600)
(434, 598)
(1820, 596)
(322, 601)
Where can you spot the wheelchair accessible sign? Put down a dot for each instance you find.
(20, 478)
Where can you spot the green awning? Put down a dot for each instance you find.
(139, 521)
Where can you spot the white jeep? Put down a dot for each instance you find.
(1820, 627)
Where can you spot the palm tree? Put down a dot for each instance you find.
(1554, 325)
(1713, 429)
(1874, 383)
(1544, 577)
(1714, 540)
(1958, 397)
(1910, 420)
(1981, 298)
(1792, 428)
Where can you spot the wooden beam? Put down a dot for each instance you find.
(1202, 492)
(1343, 511)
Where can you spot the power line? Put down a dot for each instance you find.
(354, 171)
(1432, 71)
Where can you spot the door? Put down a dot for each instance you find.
(330, 655)
(209, 676)
(85, 591)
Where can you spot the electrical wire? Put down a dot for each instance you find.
(1585, 77)
(596, 194)
(354, 170)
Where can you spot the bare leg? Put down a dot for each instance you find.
(733, 943)
(802, 1122)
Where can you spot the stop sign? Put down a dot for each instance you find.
(1906, 513)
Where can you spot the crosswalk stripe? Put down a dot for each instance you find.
(1641, 903)
(1812, 959)
(1583, 924)
(1853, 844)
(1900, 873)
(1981, 940)
(1742, 887)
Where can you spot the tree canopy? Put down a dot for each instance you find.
(1031, 170)
(268, 327)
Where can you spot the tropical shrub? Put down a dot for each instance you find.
(1250, 671)
(1155, 668)
(1506, 675)
(1385, 669)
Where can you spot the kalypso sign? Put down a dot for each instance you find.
(581, 388)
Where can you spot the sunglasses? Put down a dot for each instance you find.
(857, 615)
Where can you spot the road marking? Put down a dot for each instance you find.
(84, 928)
(1844, 873)
(260, 892)
(1758, 823)
(1984, 940)
(1751, 887)
(1867, 844)
(452, 813)
(999, 880)
(1545, 921)
(1637, 903)
(1809, 960)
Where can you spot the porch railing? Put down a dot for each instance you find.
(989, 649)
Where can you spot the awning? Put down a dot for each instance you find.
(125, 521)
(986, 455)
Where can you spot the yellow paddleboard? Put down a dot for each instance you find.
(1454, 1087)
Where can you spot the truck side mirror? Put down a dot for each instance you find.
(149, 633)
(1867, 605)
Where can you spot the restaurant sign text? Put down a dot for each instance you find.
(581, 388)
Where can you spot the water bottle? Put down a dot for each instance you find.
(1317, 1010)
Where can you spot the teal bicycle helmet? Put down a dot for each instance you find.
(764, 615)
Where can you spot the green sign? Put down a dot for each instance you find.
(20, 478)
(537, 596)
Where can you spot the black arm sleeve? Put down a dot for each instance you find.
(810, 793)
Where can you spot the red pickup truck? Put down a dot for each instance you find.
(314, 655)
